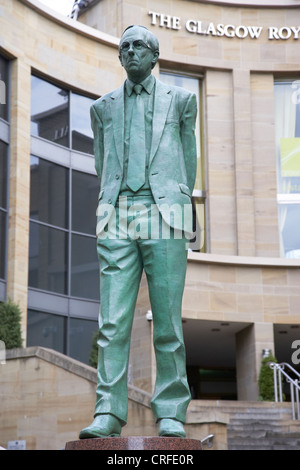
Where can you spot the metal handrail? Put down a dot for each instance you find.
(208, 440)
(278, 372)
(77, 6)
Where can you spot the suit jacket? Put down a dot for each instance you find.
(173, 157)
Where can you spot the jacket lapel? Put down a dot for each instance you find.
(162, 102)
(117, 112)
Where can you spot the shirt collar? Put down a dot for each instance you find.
(148, 85)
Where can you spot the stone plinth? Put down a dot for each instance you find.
(135, 443)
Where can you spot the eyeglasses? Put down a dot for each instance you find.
(138, 45)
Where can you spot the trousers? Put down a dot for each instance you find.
(138, 240)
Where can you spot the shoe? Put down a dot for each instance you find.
(171, 428)
(104, 425)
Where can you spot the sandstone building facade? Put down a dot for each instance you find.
(242, 292)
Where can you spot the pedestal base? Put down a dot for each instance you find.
(135, 443)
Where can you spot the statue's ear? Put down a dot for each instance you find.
(155, 58)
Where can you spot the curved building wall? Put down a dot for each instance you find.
(240, 52)
(242, 61)
(242, 295)
(49, 58)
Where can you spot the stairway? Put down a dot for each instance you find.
(263, 427)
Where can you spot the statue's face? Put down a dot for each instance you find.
(136, 55)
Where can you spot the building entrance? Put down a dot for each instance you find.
(211, 358)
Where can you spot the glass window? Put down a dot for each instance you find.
(62, 246)
(81, 334)
(46, 330)
(287, 134)
(85, 267)
(3, 88)
(48, 258)
(82, 135)
(49, 111)
(198, 243)
(194, 85)
(3, 206)
(54, 110)
(287, 126)
(3, 175)
(289, 220)
(3, 218)
(85, 189)
(49, 192)
(49, 265)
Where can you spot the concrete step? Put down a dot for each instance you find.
(275, 443)
(272, 436)
(254, 425)
(258, 447)
(245, 412)
(257, 418)
(271, 424)
(263, 428)
(251, 432)
(261, 446)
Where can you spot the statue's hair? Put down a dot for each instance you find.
(152, 39)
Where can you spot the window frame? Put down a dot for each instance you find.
(200, 194)
(69, 231)
(282, 197)
(5, 138)
(44, 300)
(69, 91)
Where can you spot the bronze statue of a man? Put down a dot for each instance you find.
(145, 158)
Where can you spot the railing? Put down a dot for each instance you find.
(77, 6)
(280, 372)
(208, 440)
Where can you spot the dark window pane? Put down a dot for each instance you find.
(198, 243)
(81, 337)
(48, 255)
(3, 88)
(46, 330)
(49, 111)
(84, 268)
(85, 189)
(49, 192)
(3, 217)
(3, 175)
(82, 136)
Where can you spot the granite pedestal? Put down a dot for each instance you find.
(135, 443)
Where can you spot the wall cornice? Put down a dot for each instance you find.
(210, 258)
(71, 24)
(251, 4)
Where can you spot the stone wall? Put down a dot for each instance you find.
(47, 398)
(232, 282)
(254, 291)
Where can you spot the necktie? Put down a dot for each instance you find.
(137, 145)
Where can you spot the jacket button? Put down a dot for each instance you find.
(117, 177)
(109, 201)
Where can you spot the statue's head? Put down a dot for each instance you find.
(138, 52)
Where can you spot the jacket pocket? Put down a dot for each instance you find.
(185, 189)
